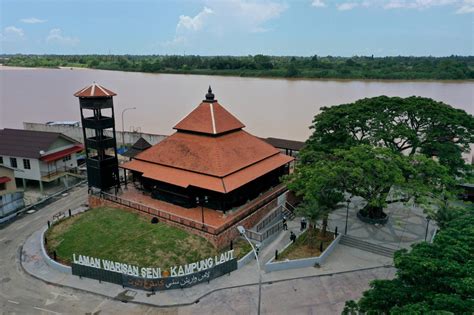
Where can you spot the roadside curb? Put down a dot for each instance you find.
(196, 300)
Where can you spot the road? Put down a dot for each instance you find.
(22, 294)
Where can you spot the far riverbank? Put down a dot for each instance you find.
(2, 67)
(261, 66)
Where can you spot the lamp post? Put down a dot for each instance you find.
(348, 200)
(198, 201)
(123, 124)
(241, 230)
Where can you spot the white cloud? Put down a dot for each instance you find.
(32, 20)
(463, 6)
(466, 7)
(347, 6)
(417, 4)
(225, 18)
(13, 31)
(55, 36)
(11, 34)
(318, 3)
(252, 15)
(193, 23)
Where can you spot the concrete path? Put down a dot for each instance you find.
(406, 225)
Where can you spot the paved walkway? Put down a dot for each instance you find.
(406, 225)
(343, 259)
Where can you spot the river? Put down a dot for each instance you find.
(268, 107)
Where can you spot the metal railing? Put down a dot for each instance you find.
(262, 236)
(247, 210)
(159, 213)
(275, 214)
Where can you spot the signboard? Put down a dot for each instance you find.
(153, 278)
(181, 282)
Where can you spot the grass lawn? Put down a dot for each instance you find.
(122, 236)
(302, 249)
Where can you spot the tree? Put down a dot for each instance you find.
(404, 125)
(431, 278)
(320, 186)
(292, 71)
(371, 173)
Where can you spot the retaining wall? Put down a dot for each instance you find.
(76, 133)
(272, 265)
(53, 264)
(246, 259)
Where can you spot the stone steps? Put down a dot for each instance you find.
(366, 246)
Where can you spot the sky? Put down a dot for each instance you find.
(239, 27)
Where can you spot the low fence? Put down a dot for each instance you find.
(250, 208)
(159, 213)
(272, 265)
(266, 234)
(269, 218)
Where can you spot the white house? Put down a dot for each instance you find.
(11, 198)
(38, 155)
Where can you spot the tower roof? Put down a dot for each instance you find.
(94, 90)
(209, 118)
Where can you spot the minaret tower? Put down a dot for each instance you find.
(98, 126)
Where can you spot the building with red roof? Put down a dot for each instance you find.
(211, 156)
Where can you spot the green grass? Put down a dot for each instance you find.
(304, 247)
(123, 236)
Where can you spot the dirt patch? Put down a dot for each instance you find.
(307, 246)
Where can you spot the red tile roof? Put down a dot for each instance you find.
(94, 90)
(217, 156)
(209, 150)
(59, 155)
(185, 178)
(210, 118)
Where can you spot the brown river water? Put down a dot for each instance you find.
(268, 107)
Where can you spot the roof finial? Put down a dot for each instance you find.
(210, 95)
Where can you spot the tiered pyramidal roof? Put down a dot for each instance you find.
(209, 118)
(94, 91)
(209, 150)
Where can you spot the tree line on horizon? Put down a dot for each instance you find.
(357, 67)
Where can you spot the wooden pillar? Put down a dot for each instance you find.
(41, 186)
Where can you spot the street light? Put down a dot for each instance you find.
(347, 213)
(198, 201)
(241, 230)
(123, 124)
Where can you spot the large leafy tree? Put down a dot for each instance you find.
(320, 186)
(431, 278)
(369, 172)
(409, 125)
